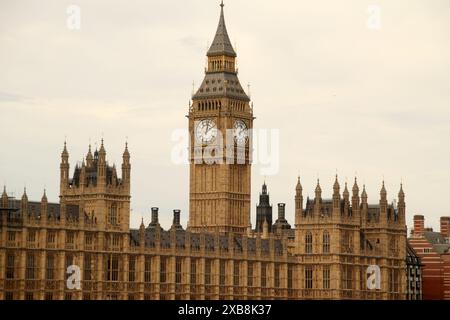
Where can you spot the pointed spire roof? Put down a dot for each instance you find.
(355, 186)
(318, 189)
(102, 148)
(44, 196)
(65, 153)
(364, 193)
(299, 185)
(126, 153)
(4, 194)
(383, 192)
(346, 193)
(264, 188)
(336, 184)
(24, 196)
(221, 44)
(401, 194)
(89, 156)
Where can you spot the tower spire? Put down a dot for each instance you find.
(221, 44)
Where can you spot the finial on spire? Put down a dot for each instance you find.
(355, 185)
(346, 193)
(221, 44)
(221, 4)
(44, 196)
(318, 189)
(24, 196)
(383, 190)
(299, 187)
(401, 194)
(65, 153)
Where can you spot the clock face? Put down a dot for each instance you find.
(206, 131)
(240, 132)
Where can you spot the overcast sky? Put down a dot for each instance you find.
(345, 96)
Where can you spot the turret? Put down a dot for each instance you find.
(126, 166)
(44, 208)
(101, 168)
(336, 197)
(298, 202)
(263, 210)
(355, 198)
(401, 206)
(4, 198)
(383, 203)
(64, 169)
(89, 158)
(83, 174)
(346, 196)
(24, 204)
(318, 198)
(142, 234)
(364, 205)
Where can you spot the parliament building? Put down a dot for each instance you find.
(218, 255)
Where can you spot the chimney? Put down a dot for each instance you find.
(176, 220)
(281, 213)
(419, 223)
(445, 227)
(154, 216)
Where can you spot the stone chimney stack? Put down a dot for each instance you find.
(281, 212)
(419, 225)
(176, 220)
(154, 223)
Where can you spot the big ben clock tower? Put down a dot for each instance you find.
(220, 123)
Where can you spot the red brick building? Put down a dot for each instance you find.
(434, 250)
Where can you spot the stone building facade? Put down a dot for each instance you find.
(218, 255)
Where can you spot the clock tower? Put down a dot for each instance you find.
(220, 124)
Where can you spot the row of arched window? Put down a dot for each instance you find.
(216, 104)
(325, 242)
(219, 64)
(209, 105)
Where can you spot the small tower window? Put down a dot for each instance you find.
(113, 214)
(308, 243)
(326, 242)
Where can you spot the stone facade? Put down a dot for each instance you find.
(219, 255)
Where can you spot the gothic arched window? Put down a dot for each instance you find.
(326, 242)
(308, 243)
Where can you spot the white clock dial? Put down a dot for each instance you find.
(206, 131)
(240, 131)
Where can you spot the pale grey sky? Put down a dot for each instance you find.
(345, 97)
